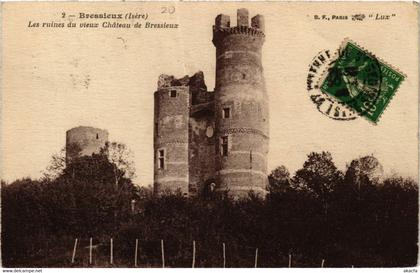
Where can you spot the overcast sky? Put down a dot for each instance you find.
(56, 79)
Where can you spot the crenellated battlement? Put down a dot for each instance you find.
(240, 30)
(222, 26)
(208, 142)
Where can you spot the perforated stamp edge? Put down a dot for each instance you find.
(337, 53)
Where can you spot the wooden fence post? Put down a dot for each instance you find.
(90, 250)
(135, 253)
(74, 251)
(163, 253)
(224, 255)
(193, 261)
(111, 258)
(256, 258)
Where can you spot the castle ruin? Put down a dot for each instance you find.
(84, 141)
(216, 140)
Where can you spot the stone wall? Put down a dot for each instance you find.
(190, 126)
(240, 87)
(84, 141)
(202, 151)
(172, 102)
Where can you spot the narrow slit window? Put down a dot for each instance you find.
(250, 159)
(226, 112)
(173, 93)
(161, 159)
(224, 146)
(97, 136)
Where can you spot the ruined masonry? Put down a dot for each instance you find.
(216, 141)
(84, 141)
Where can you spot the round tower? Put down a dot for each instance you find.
(84, 141)
(171, 117)
(241, 106)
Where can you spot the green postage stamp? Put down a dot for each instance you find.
(361, 81)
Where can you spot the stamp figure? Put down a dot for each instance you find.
(361, 81)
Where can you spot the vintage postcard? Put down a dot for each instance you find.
(209, 134)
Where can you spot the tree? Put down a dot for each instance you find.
(319, 175)
(364, 170)
(90, 190)
(59, 160)
(56, 167)
(23, 208)
(279, 180)
(122, 159)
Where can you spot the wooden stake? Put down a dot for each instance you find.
(74, 251)
(163, 253)
(256, 258)
(111, 259)
(224, 255)
(290, 260)
(135, 253)
(193, 261)
(90, 250)
(322, 263)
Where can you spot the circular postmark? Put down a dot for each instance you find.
(355, 79)
(346, 85)
(325, 104)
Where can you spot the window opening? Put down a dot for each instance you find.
(250, 159)
(224, 146)
(161, 159)
(226, 112)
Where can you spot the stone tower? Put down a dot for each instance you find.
(84, 141)
(172, 101)
(241, 105)
(216, 141)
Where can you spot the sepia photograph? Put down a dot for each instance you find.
(209, 135)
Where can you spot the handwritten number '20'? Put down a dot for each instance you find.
(170, 10)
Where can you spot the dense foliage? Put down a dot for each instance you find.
(356, 218)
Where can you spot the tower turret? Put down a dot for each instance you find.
(241, 105)
(172, 103)
(84, 141)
